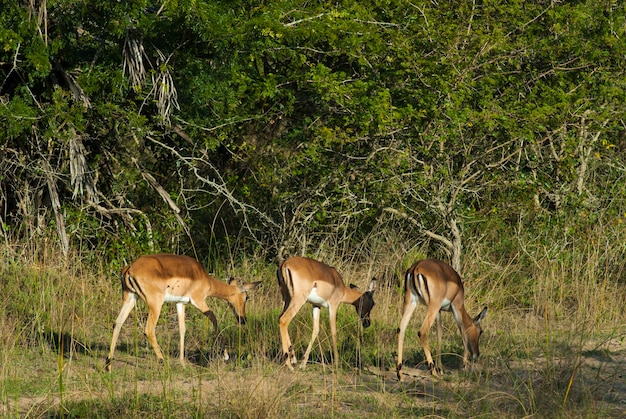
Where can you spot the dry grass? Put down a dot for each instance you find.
(554, 346)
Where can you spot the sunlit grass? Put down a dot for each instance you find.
(554, 345)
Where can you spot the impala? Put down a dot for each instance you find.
(438, 286)
(304, 280)
(165, 278)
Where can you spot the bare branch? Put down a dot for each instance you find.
(161, 191)
(296, 22)
(219, 185)
(448, 245)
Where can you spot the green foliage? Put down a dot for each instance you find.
(293, 122)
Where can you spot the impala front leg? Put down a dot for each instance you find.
(127, 307)
(208, 313)
(466, 351)
(180, 311)
(332, 315)
(154, 311)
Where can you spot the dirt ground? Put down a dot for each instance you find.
(594, 377)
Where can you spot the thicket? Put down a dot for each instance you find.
(228, 128)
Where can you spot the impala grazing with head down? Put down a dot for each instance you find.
(303, 280)
(438, 286)
(165, 278)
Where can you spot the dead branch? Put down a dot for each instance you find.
(218, 185)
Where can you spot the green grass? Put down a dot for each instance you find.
(554, 346)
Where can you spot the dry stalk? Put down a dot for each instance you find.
(79, 170)
(134, 53)
(163, 88)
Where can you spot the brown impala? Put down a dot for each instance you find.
(165, 278)
(438, 286)
(303, 280)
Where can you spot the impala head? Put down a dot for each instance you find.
(474, 333)
(239, 297)
(365, 303)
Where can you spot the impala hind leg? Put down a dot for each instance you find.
(438, 363)
(288, 353)
(129, 301)
(431, 316)
(404, 323)
(154, 311)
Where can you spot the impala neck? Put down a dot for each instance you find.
(221, 289)
(466, 319)
(351, 295)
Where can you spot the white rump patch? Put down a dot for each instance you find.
(415, 299)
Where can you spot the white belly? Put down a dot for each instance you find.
(169, 298)
(315, 299)
(445, 304)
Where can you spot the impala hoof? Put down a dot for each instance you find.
(398, 372)
(435, 371)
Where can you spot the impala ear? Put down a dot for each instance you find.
(249, 286)
(232, 281)
(372, 286)
(480, 316)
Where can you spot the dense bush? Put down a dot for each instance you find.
(222, 128)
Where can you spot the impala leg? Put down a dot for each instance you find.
(431, 316)
(218, 335)
(180, 311)
(127, 307)
(438, 364)
(154, 311)
(332, 316)
(316, 330)
(459, 322)
(465, 349)
(208, 313)
(408, 312)
(283, 322)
